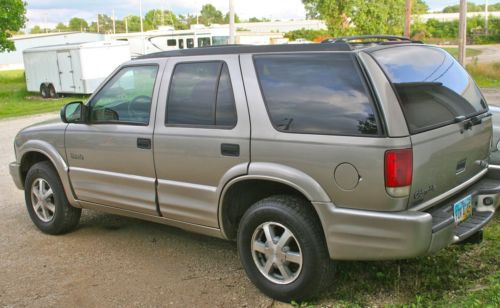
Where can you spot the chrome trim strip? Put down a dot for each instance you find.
(494, 167)
(188, 185)
(450, 192)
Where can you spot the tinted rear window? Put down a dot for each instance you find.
(316, 94)
(432, 87)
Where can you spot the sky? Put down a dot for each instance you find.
(47, 13)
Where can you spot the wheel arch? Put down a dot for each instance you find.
(34, 151)
(263, 180)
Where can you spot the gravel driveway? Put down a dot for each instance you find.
(110, 261)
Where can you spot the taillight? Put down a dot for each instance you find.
(398, 172)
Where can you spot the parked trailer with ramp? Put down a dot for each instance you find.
(72, 68)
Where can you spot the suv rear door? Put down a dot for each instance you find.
(446, 116)
(202, 135)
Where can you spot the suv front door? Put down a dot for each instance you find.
(111, 158)
(202, 136)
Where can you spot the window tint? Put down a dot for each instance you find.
(203, 41)
(171, 42)
(316, 94)
(225, 112)
(433, 88)
(190, 43)
(201, 94)
(181, 44)
(126, 98)
(220, 40)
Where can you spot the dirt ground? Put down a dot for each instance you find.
(492, 96)
(110, 261)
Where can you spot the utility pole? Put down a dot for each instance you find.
(231, 23)
(462, 31)
(142, 29)
(140, 14)
(486, 17)
(408, 18)
(114, 28)
(97, 22)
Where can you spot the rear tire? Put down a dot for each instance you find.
(46, 201)
(52, 91)
(44, 91)
(286, 270)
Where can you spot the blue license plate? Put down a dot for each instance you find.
(462, 209)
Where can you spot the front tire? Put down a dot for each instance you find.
(46, 201)
(282, 248)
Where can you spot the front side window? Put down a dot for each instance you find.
(171, 42)
(322, 93)
(201, 94)
(433, 88)
(126, 98)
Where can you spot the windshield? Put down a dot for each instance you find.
(432, 87)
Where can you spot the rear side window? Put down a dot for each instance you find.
(201, 94)
(433, 88)
(316, 94)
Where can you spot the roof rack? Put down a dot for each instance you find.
(362, 40)
(239, 49)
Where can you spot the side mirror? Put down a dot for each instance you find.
(74, 112)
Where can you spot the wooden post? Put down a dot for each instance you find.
(462, 31)
(408, 19)
(486, 17)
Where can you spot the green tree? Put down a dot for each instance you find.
(133, 23)
(236, 18)
(155, 18)
(348, 17)
(36, 30)
(60, 27)
(12, 18)
(255, 19)
(210, 15)
(77, 24)
(471, 7)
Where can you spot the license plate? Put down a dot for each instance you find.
(462, 209)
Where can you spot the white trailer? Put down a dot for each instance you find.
(72, 68)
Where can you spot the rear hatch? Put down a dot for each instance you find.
(446, 115)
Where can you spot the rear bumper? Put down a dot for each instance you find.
(15, 172)
(369, 235)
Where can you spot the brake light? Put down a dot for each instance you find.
(398, 171)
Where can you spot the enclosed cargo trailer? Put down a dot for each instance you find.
(72, 68)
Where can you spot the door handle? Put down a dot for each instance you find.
(144, 143)
(230, 149)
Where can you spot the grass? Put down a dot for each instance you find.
(469, 52)
(16, 101)
(458, 276)
(486, 75)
